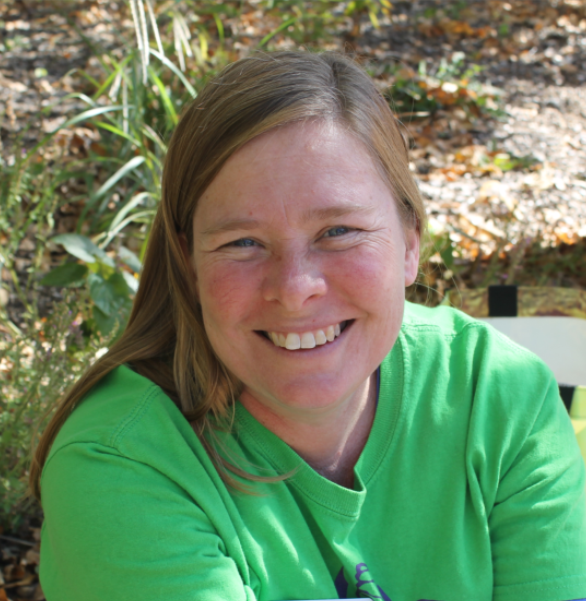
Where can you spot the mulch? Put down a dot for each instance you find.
(524, 224)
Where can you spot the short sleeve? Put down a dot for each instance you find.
(538, 520)
(118, 529)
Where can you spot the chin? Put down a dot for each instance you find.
(305, 393)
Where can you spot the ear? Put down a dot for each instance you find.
(412, 240)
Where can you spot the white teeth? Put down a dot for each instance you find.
(293, 342)
(330, 333)
(307, 340)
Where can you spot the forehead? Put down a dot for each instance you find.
(305, 167)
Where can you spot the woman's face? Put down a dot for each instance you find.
(297, 239)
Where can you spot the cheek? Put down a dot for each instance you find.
(225, 290)
(372, 272)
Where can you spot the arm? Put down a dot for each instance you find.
(538, 520)
(120, 530)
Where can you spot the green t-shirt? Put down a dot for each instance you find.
(470, 487)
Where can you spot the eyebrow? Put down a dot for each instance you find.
(232, 224)
(311, 215)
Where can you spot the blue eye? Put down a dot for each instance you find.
(336, 231)
(243, 243)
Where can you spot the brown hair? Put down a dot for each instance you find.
(165, 339)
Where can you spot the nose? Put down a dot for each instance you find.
(292, 279)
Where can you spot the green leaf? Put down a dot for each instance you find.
(447, 255)
(78, 246)
(70, 274)
(131, 281)
(120, 287)
(130, 259)
(83, 248)
(102, 294)
(104, 323)
(109, 295)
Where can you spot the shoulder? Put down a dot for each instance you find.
(465, 369)
(497, 403)
(125, 471)
(121, 412)
(470, 342)
(128, 434)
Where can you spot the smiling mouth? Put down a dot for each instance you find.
(292, 341)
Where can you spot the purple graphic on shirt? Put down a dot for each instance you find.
(365, 585)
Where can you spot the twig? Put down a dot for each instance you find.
(18, 541)
(414, 114)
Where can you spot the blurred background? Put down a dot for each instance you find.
(492, 100)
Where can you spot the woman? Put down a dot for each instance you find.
(276, 423)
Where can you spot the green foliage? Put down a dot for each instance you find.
(110, 285)
(132, 108)
(453, 83)
(66, 275)
(27, 203)
(510, 162)
(131, 105)
(373, 8)
(39, 356)
(37, 365)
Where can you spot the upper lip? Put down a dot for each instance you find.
(302, 329)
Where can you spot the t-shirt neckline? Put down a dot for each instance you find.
(318, 489)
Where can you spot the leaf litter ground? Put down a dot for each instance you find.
(491, 96)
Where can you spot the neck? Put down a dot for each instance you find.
(330, 442)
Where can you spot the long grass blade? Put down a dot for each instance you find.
(114, 78)
(137, 30)
(113, 93)
(175, 70)
(374, 19)
(278, 29)
(116, 131)
(167, 102)
(124, 210)
(124, 105)
(124, 170)
(203, 47)
(93, 112)
(83, 97)
(145, 216)
(151, 134)
(177, 43)
(120, 225)
(145, 40)
(154, 26)
(89, 78)
(185, 35)
(220, 27)
(141, 216)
